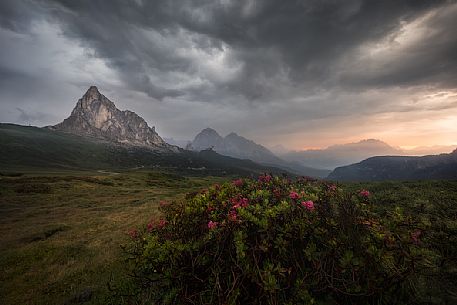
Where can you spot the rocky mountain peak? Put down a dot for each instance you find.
(232, 135)
(209, 132)
(96, 116)
(207, 138)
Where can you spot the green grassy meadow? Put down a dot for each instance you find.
(61, 232)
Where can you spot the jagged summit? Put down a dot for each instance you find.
(96, 116)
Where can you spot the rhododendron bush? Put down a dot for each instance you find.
(274, 240)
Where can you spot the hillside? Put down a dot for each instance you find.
(443, 166)
(32, 147)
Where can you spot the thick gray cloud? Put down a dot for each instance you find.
(277, 69)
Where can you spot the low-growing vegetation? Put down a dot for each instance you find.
(61, 233)
(278, 241)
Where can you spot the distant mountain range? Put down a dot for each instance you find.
(338, 155)
(97, 135)
(237, 146)
(232, 145)
(443, 166)
(345, 154)
(33, 148)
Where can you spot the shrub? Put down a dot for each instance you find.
(275, 241)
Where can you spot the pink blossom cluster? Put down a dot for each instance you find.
(239, 202)
(364, 193)
(265, 178)
(309, 205)
(233, 215)
(153, 225)
(162, 223)
(294, 195)
(212, 224)
(238, 182)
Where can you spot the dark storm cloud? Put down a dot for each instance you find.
(17, 15)
(301, 40)
(269, 66)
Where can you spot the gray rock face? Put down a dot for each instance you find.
(208, 138)
(237, 146)
(233, 145)
(96, 116)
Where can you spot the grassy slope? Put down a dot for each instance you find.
(24, 147)
(61, 234)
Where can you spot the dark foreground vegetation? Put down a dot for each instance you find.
(278, 241)
(244, 241)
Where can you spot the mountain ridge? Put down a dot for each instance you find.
(96, 116)
(379, 168)
(29, 147)
(237, 146)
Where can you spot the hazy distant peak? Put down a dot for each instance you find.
(364, 142)
(232, 135)
(342, 154)
(231, 145)
(209, 131)
(279, 149)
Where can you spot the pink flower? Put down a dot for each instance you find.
(239, 203)
(212, 224)
(277, 193)
(162, 223)
(309, 205)
(232, 215)
(364, 193)
(134, 233)
(332, 187)
(210, 208)
(238, 182)
(150, 227)
(294, 195)
(244, 202)
(265, 178)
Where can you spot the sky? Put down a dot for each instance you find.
(302, 74)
